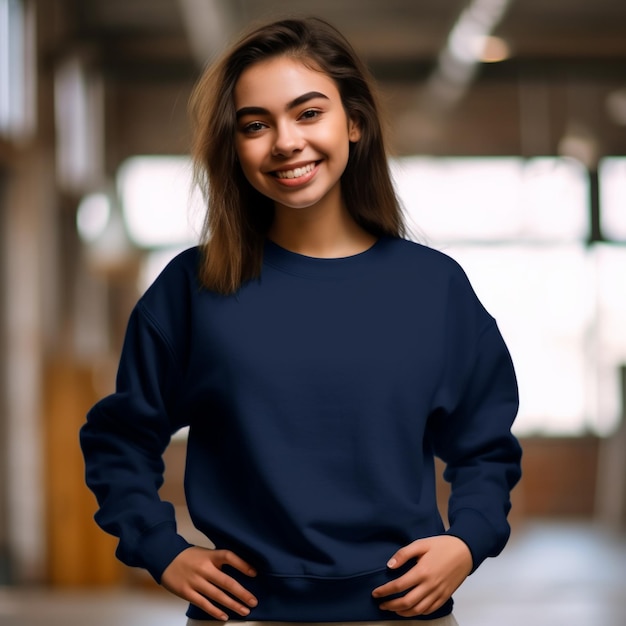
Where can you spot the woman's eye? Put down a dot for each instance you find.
(253, 127)
(310, 114)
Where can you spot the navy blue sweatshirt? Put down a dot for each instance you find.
(317, 398)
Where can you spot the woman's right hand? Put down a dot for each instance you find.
(196, 576)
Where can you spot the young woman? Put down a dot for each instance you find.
(321, 362)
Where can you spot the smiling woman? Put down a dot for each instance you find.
(320, 362)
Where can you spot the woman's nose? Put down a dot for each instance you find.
(287, 140)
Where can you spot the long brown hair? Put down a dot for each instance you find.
(238, 216)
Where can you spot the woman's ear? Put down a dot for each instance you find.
(354, 129)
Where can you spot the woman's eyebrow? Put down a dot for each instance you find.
(310, 95)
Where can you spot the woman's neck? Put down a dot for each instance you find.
(322, 234)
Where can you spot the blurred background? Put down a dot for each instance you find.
(507, 121)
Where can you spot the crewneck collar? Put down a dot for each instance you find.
(325, 268)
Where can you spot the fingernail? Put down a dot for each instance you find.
(391, 562)
(252, 602)
(244, 610)
(224, 617)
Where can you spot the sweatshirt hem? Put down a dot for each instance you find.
(303, 598)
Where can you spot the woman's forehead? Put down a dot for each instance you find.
(281, 79)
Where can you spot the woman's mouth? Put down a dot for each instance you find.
(296, 172)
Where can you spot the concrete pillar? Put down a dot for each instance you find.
(27, 234)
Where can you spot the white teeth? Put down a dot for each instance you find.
(296, 173)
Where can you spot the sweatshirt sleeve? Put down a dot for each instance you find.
(123, 442)
(471, 429)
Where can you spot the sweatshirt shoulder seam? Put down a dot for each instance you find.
(152, 320)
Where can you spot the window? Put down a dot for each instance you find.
(612, 174)
(17, 70)
(494, 199)
(159, 207)
(79, 120)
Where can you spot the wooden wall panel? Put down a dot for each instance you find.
(79, 553)
(559, 477)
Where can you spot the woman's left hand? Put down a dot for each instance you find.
(443, 563)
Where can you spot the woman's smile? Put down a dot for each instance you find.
(297, 174)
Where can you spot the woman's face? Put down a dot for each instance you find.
(292, 134)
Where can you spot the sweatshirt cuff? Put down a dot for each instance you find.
(479, 535)
(159, 547)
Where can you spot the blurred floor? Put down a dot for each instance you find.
(550, 574)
